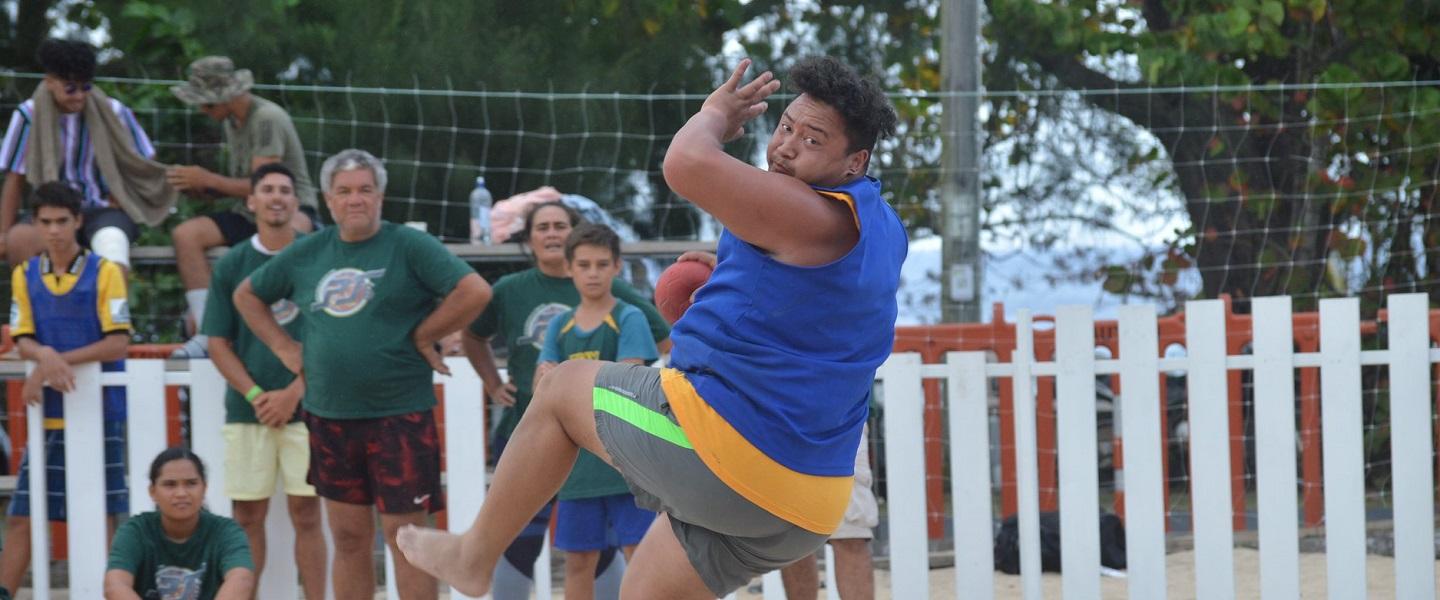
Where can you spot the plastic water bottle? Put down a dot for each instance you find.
(480, 201)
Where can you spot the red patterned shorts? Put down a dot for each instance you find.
(392, 462)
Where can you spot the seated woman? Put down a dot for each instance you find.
(180, 550)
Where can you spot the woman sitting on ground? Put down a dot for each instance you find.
(179, 550)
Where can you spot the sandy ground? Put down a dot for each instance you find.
(1180, 579)
(1179, 573)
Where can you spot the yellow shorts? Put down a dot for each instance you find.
(256, 454)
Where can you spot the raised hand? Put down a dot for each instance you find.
(738, 103)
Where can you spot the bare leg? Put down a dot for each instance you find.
(250, 515)
(413, 583)
(560, 420)
(15, 558)
(352, 526)
(661, 569)
(310, 551)
(192, 238)
(854, 575)
(801, 579)
(22, 242)
(580, 575)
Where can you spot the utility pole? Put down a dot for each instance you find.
(960, 279)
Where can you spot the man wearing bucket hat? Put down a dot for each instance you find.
(257, 131)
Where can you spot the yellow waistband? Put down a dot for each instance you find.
(814, 502)
(54, 423)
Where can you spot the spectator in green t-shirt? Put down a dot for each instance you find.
(374, 297)
(264, 437)
(522, 308)
(257, 132)
(180, 551)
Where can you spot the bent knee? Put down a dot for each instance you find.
(569, 378)
(199, 231)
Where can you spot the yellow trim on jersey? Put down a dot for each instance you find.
(610, 320)
(847, 199)
(111, 297)
(53, 423)
(22, 319)
(568, 326)
(814, 502)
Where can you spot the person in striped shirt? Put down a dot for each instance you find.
(69, 76)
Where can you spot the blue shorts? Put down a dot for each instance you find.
(599, 523)
(117, 497)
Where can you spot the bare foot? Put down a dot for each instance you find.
(442, 555)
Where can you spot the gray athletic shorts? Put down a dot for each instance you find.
(728, 539)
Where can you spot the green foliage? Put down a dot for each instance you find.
(1363, 155)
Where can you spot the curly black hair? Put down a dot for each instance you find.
(67, 59)
(861, 103)
(57, 194)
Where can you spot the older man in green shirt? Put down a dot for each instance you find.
(376, 297)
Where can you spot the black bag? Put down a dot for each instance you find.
(1007, 543)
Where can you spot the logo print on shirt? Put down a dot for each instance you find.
(343, 292)
(179, 583)
(285, 312)
(538, 321)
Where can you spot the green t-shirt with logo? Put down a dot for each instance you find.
(519, 311)
(222, 320)
(622, 335)
(360, 302)
(190, 570)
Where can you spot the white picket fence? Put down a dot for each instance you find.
(1408, 356)
(1273, 361)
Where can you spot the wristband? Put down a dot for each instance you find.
(254, 392)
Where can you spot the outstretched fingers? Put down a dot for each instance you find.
(733, 83)
(760, 88)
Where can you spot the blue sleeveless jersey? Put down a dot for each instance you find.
(786, 355)
(69, 321)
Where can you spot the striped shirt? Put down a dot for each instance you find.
(78, 169)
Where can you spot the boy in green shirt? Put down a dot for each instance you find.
(596, 509)
(264, 437)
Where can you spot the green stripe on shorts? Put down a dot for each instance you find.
(646, 420)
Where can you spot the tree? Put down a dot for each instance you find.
(565, 46)
(19, 40)
(1276, 184)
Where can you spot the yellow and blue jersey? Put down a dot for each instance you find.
(774, 364)
(68, 308)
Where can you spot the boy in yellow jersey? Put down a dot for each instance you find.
(747, 444)
(69, 307)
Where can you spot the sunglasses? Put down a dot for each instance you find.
(71, 87)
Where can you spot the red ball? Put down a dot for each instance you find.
(676, 284)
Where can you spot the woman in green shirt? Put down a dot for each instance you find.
(180, 551)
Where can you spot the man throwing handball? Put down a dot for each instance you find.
(746, 445)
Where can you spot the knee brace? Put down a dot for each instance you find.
(112, 244)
